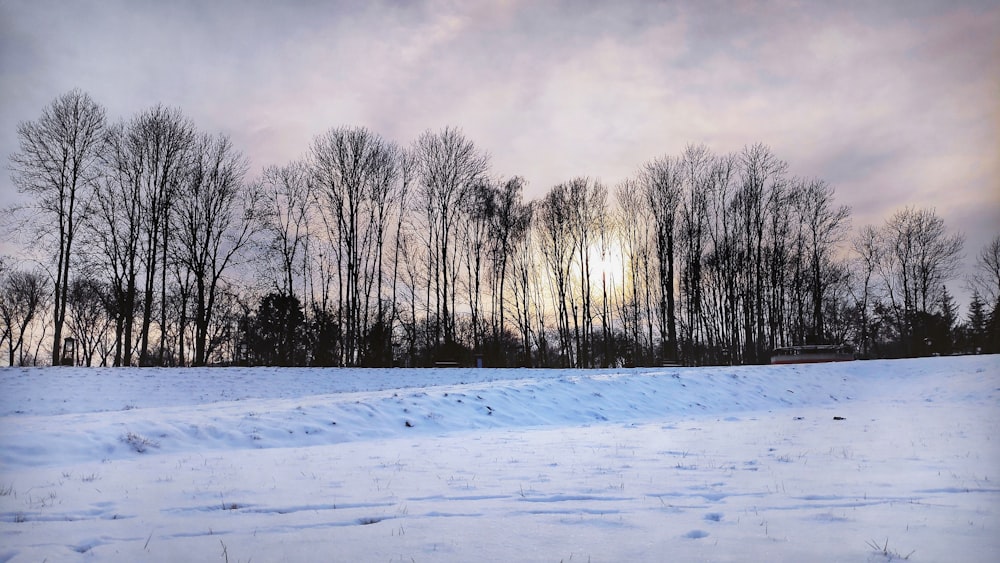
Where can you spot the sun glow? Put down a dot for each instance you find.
(606, 267)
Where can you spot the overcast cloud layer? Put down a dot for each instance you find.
(893, 103)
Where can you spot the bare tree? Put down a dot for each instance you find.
(569, 220)
(356, 174)
(448, 164)
(662, 181)
(762, 173)
(493, 219)
(4, 327)
(693, 212)
(635, 220)
(144, 160)
(588, 205)
(22, 294)
(777, 252)
(406, 291)
(478, 212)
(722, 261)
(58, 165)
(867, 246)
(557, 244)
(923, 255)
(986, 279)
(164, 138)
(179, 306)
(407, 171)
(522, 259)
(606, 229)
(113, 236)
(826, 225)
(510, 222)
(88, 318)
(390, 188)
(286, 214)
(215, 215)
(918, 257)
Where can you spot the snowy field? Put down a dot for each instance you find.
(860, 461)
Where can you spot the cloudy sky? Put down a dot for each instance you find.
(893, 103)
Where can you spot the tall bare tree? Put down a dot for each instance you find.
(89, 318)
(4, 327)
(390, 189)
(635, 220)
(287, 214)
(606, 229)
(448, 164)
(722, 261)
(407, 172)
(524, 270)
(918, 257)
(868, 250)
(986, 278)
(215, 215)
(510, 222)
(478, 212)
(693, 211)
(356, 173)
(164, 138)
(662, 181)
(58, 165)
(826, 225)
(113, 235)
(923, 255)
(557, 243)
(588, 205)
(761, 174)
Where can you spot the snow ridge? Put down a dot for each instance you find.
(95, 428)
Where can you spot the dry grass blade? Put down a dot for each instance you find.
(883, 549)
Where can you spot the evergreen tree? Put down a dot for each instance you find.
(324, 338)
(948, 311)
(977, 323)
(280, 323)
(993, 331)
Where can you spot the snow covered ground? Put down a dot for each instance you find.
(859, 461)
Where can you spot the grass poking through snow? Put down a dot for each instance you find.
(138, 442)
(889, 554)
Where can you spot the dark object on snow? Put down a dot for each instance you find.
(839, 418)
(409, 424)
(812, 354)
(68, 352)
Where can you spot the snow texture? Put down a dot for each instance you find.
(857, 461)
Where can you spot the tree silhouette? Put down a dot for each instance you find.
(58, 165)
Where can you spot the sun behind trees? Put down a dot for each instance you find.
(163, 248)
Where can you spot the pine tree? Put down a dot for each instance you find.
(993, 331)
(977, 322)
(948, 313)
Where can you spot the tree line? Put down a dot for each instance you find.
(155, 245)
